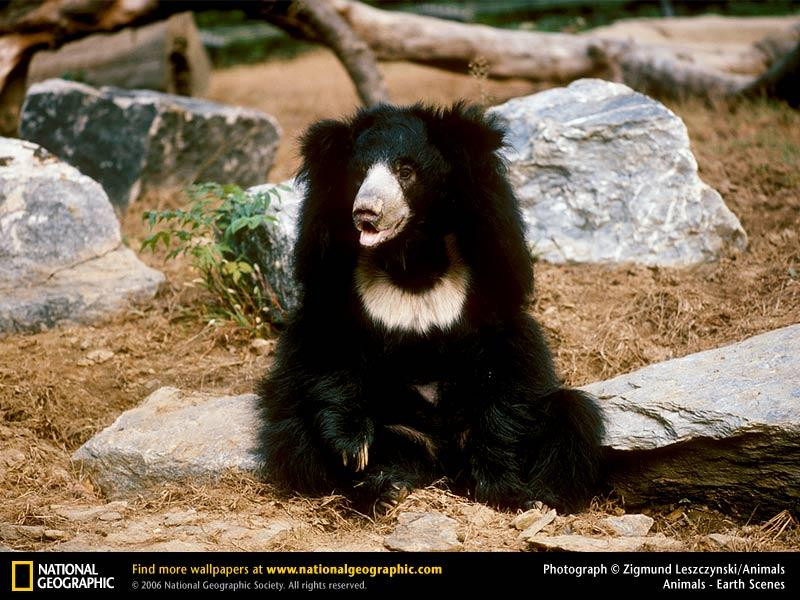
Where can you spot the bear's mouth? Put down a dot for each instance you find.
(371, 235)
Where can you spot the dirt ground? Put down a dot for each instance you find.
(602, 322)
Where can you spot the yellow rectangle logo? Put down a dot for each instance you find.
(18, 564)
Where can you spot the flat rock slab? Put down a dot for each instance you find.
(61, 252)
(424, 532)
(721, 426)
(132, 141)
(606, 175)
(179, 531)
(172, 436)
(581, 543)
(529, 517)
(539, 524)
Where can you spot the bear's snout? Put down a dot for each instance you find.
(380, 209)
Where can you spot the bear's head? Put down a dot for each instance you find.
(401, 169)
(411, 187)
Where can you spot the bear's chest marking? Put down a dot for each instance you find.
(441, 305)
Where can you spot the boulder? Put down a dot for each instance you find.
(61, 252)
(172, 436)
(606, 175)
(271, 245)
(132, 141)
(720, 427)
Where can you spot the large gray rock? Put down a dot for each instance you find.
(606, 175)
(272, 245)
(721, 426)
(172, 436)
(131, 141)
(61, 252)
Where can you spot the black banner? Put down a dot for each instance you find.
(667, 574)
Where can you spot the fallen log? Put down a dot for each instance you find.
(541, 56)
(361, 33)
(27, 26)
(167, 56)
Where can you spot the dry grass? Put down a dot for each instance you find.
(602, 321)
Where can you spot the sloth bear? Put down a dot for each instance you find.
(410, 356)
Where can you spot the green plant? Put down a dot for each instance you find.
(223, 230)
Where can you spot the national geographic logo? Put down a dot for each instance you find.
(21, 575)
(27, 576)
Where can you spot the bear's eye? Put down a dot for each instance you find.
(405, 172)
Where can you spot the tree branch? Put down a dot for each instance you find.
(354, 53)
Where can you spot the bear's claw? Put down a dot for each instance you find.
(392, 497)
(361, 458)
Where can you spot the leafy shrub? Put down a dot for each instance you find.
(224, 231)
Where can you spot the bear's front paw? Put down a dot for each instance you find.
(391, 497)
(357, 460)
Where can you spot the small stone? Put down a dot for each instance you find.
(54, 534)
(111, 515)
(12, 457)
(88, 513)
(526, 519)
(731, 542)
(173, 519)
(100, 356)
(538, 525)
(479, 515)
(262, 346)
(152, 385)
(256, 537)
(661, 543)
(59, 474)
(13, 532)
(629, 525)
(424, 532)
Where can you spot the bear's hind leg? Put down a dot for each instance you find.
(564, 461)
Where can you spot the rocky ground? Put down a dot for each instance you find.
(59, 387)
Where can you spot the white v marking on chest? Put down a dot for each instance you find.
(440, 305)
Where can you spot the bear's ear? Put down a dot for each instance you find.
(324, 147)
(463, 131)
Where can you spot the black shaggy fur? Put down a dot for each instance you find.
(503, 428)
